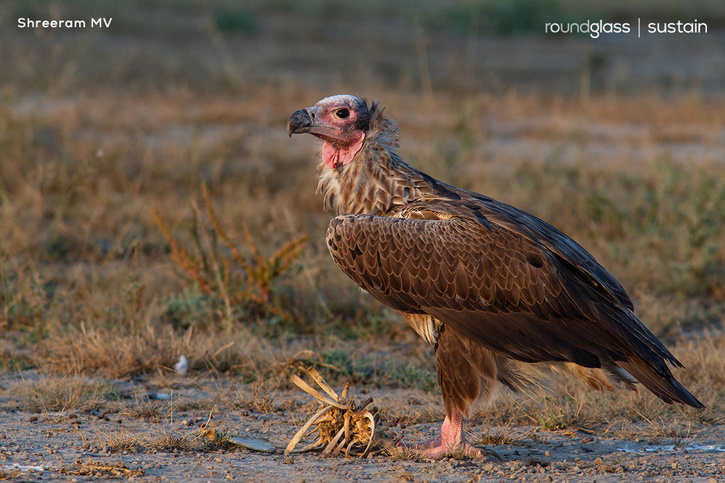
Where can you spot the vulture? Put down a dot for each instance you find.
(498, 293)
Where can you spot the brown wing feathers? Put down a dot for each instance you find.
(500, 289)
(548, 236)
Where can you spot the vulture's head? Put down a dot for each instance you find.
(340, 121)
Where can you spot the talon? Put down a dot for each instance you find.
(434, 450)
(450, 442)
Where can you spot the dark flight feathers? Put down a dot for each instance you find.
(506, 280)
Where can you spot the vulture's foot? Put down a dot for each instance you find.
(436, 450)
(451, 441)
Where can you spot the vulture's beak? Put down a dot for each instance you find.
(308, 121)
(299, 122)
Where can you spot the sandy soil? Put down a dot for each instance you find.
(157, 428)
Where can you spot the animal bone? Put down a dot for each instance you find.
(340, 423)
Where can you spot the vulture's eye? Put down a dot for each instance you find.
(342, 113)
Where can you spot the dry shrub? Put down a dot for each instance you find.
(240, 282)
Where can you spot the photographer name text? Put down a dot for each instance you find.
(27, 23)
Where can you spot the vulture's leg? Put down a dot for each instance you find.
(466, 370)
(450, 441)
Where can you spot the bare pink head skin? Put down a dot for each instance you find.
(340, 121)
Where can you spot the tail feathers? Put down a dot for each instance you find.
(530, 378)
(666, 388)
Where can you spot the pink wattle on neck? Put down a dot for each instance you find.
(334, 156)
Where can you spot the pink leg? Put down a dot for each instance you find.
(450, 441)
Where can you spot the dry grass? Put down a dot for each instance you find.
(92, 149)
(100, 470)
(49, 393)
(167, 439)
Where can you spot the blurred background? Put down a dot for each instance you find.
(151, 203)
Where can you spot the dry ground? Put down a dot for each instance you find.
(155, 433)
(109, 140)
